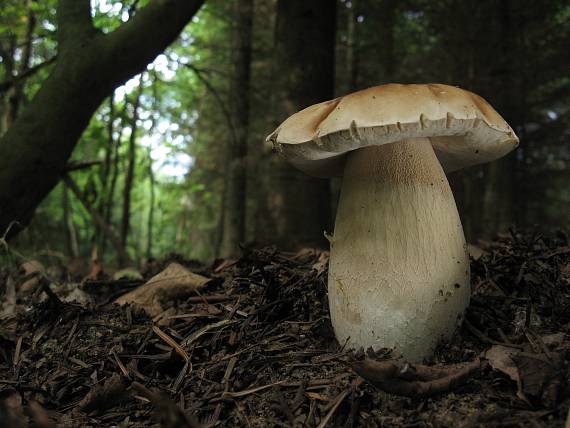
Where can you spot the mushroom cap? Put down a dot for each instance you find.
(463, 128)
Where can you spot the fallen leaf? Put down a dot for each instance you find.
(538, 376)
(501, 358)
(476, 252)
(541, 376)
(553, 340)
(31, 267)
(173, 282)
(322, 262)
(79, 296)
(103, 396)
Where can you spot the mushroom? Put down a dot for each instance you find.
(399, 268)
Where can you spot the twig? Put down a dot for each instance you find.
(171, 342)
(193, 337)
(243, 393)
(329, 415)
(486, 339)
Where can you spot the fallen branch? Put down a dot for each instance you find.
(401, 378)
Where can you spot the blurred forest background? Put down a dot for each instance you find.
(174, 160)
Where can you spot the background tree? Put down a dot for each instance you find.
(297, 208)
(189, 112)
(235, 185)
(90, 64)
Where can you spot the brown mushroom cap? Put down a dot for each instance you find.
(463, 128)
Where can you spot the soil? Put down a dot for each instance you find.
(255, 348)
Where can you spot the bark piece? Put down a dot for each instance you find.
(401, 378)
(173, 282)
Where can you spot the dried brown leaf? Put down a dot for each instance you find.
(173, 282)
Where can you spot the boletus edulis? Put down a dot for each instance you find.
(399, 268)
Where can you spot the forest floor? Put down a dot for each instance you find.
(254, 347)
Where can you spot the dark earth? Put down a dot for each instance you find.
(256, 348)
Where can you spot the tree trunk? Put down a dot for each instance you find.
(130, 173)
(351, 49)
(152, 183)
(298, 207)
(500, 176)
(387, 27)
(105, 172)
(236, 172)
(35, 149)
(7, 50)
(105, 228)
(111, 184)
(72, 244)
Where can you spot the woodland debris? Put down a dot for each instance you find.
(263, 325)
(414, 380)
(39, 415)
(104, 395)
(169, 413)
(173, 282)
(538, 376)
(475, 251)
(32, 267)
(11, 409)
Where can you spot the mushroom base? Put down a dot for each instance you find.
(399, 269)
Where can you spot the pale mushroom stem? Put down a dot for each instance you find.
(399, 269)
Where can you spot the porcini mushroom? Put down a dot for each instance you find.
(399, 269)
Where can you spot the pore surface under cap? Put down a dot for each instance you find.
(463, 128)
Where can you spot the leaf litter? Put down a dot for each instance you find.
(248, 342)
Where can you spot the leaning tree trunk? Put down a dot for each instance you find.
(298, 207)
(35, 149)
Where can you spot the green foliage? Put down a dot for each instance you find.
(183, 117)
